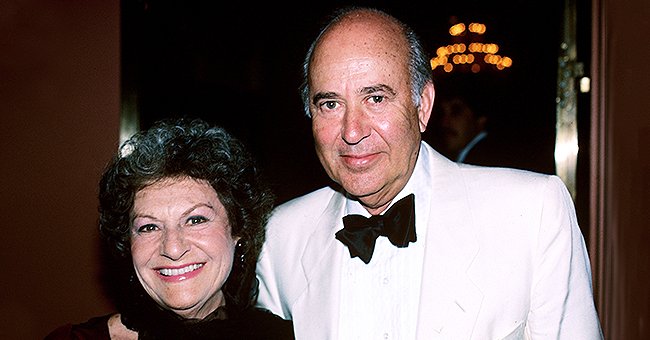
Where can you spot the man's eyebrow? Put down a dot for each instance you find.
(377, 88)
(364, 90)
(323, 95)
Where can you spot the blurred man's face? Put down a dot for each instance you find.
(458, 125)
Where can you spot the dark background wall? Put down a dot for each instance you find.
(59, 123)
(59, 117)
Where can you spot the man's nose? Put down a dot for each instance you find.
(355, 126)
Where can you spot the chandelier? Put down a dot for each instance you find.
(467, 51)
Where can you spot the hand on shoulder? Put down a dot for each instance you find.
(118, 331)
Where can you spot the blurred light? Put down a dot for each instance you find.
(468, 39)
(566, 151)
(477, 28)
(585, 84)
(457, 29)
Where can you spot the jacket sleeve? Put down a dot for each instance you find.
(562, 304)
(269, 288)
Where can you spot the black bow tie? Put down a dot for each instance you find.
(398, 224)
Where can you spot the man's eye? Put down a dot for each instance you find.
(196, 220)
(147, 228)
(330, 105)
(377, 99)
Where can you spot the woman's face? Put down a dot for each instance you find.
(182, 245)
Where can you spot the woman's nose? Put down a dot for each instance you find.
(174, 243)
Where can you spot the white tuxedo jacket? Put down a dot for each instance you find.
(504, 258)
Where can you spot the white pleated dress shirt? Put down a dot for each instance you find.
(380, 300)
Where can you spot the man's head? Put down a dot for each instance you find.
(457, 124)
(466, 105)
(369, 92)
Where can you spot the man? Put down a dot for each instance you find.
(496, 253)
(464, 129)
(459, 129)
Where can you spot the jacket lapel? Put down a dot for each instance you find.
(449, 301)
(321, 263)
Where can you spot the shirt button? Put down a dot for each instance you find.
(386, 280)
(385, 335)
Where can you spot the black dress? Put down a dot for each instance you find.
(252, 324)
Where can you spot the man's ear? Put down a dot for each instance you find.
(426, 105)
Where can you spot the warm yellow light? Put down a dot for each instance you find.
(493, 59)
(452, 54)
(457, 29)
(477, 28)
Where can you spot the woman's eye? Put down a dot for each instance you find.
(196, 220)
(147, 228)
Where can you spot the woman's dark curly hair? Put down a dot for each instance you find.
(192, 148)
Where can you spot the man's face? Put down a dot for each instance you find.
(458, 125)
(365, 124)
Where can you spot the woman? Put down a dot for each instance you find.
(182, 210)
